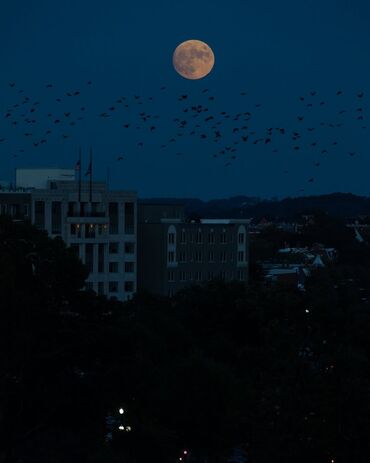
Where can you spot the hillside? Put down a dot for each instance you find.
(343, 205)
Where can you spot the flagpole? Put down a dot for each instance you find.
(91, 168)
(79, 177)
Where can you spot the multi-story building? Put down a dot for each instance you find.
(174, 253)
(100, 225)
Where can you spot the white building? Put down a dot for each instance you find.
(100, 225)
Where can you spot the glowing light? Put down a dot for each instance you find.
(121, 427)
(307, 311)
(121, 411)
(185, 452)
(128, 428)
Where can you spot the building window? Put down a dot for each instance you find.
(89, 286)
(40, 214)
(223, 275)
(223, 238)
(171, 238)
(113, 248)
(129, 286)
(73, 229)
(113, 218)
(25, 210)
(210, 276)
(190, 276)
(71, 209)
(171, 256)
(129, 267)
(90, 231)
(223, 257)
(56, 217)
(240, 256)
(101, 258)
(183, 237)
(241, 238)
(211, 256)
(182, 256)
(89, 257)
(198, 256)
(241, 275)
(198, 276)
(211, 238)
(129, 247)
(113, 286)
(198, 237)
(79, 230)
(101, 288)
(182, 276)
(130, 218)
(171, 276)
(113, 267)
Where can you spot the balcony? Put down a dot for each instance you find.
(87, 214)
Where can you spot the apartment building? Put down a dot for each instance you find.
(174, 252)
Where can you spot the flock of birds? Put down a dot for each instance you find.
(196, 119)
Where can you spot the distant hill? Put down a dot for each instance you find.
(344, 205)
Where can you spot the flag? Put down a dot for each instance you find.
(89, 170)
(78, 165)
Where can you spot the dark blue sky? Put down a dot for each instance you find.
(273, 51)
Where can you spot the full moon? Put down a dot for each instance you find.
(193, 59)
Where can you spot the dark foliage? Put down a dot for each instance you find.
(282, 373)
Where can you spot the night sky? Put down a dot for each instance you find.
(275, 52)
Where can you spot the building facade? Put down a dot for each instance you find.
(174, 253)
(98, 224)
